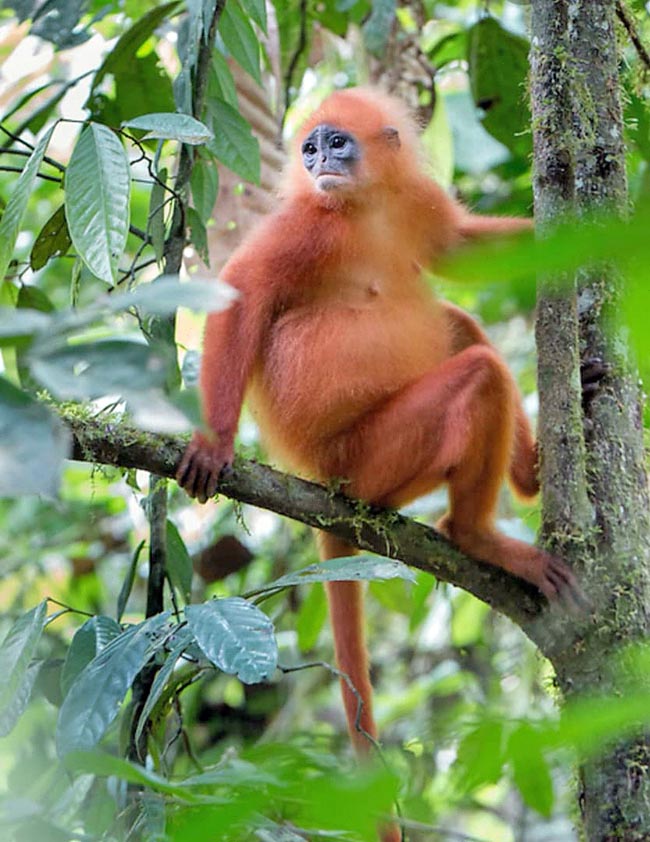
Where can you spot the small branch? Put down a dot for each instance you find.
(39, 174)
(295, 58)
(111, 441)
(627, 19)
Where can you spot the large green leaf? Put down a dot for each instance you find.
(94, 697)
(97, 191)
(204, 182)
(350, 568)
(167, 292)
(21, 324)
(91, 370)
(89, 640)
(16, 653)
(171, 127)
(256, 10)
(233, 144)
(498, 70)
(236, 637)
(17, 203)
(33, 444)
(530, 769)
(240, 39)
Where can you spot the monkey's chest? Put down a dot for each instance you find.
(326, 365)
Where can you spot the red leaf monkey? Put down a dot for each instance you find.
(353, 369)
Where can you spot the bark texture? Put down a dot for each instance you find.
(595, 509)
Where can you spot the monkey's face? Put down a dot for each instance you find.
(331, 157)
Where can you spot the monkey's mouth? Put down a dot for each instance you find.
(330, 181)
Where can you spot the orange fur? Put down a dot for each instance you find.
(354, 370)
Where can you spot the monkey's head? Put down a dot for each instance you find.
(356, 141)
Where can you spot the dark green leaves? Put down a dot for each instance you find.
(498, 69)
(233, 143)
(97, 191)
(18, 675)
(93, 699)
(236, 637)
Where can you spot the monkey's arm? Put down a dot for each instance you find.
(232, 341)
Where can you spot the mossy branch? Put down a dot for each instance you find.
(113, 441)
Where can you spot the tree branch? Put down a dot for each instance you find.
(112, 441)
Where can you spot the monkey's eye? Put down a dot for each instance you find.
(309, 149)
(337, 142)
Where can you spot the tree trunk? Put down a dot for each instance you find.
(595, 509)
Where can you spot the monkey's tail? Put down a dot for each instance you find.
(345, 601)
(523, 466)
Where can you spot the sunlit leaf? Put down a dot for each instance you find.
(236, 637)
(171, 127)
(16, 652)
(14, 211)
(97, 191)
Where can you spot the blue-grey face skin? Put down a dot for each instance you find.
(330, 156)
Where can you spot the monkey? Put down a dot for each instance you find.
(354, 370)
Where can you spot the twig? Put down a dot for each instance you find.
(295, 58)
(627, 19)
(39, 174)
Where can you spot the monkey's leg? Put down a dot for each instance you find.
(456, 425)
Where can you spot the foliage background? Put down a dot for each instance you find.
(464, 702)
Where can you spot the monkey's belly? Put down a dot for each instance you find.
(325, 368)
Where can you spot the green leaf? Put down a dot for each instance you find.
(33, 298)
(93, 700)
(498, 69)
(204, 182)
(10, 715)
(240, 39)
(171, 127)
(256, 10)
(530, 769)
(376, 29)
(221, 84)
(21, 324)
(16, 652)
(91, 370)
(33, 444)
(164, 295)
(97, 191)
(17, 203)
(53, 240)
(311, 618)
(89, 640)
(350, 568)
(236, 637)
(130, 42)
(480, 755)
(234, 144)
(198, 235)
(127, 584)
(162, 677)
(179, 563)
(156, 216)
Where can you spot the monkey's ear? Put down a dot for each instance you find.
(391, 135)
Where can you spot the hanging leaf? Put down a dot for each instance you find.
(97, 191)
(33, 445)
(14, 211)
(256, 10)
(240, 39)
(156, 216)
(311, 618)
(236, 637)
(16, 653)
(93, 700)
(53, 240)
(233, 144)
(179, 564)
(89, 640)
(129, 580)
(498, 70)
(171, 127)
(530, 769)
(204, 182)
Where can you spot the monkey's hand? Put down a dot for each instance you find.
(202, 464)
